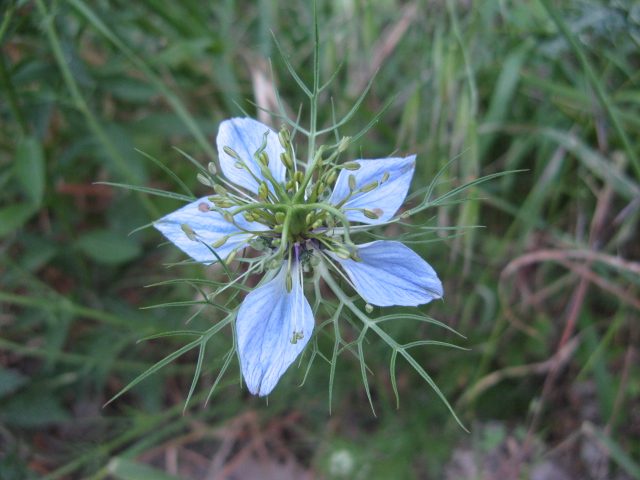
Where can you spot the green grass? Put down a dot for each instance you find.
(550, 89)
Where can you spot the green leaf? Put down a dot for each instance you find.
(108, 248)
(31, 169)
(14, 216)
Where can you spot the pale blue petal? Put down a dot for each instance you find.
(392, 274)
(209, 227)
(244, 136)
(387, 198)
(267, 321)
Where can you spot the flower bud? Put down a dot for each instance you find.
(256, 215)
(264, 158)
(220, 190)
(227, 216)
(231, 257)
(320, 187)
(368, 308)
(280, 216)
(309, 218)
(332, 177)
(248, 217)
(298, 176)
(351, 165)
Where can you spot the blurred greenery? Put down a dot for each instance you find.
(546, 294)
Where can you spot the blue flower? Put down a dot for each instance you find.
(299, 220)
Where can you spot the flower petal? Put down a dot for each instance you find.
(267, 321)
(386, 198)
(244, 136)
(209, 227)
(392, 274)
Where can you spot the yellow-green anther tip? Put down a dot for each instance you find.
(369, 214)
(218, 243)
(352, 182)
(369, 186)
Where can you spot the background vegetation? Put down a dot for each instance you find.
(546, 294)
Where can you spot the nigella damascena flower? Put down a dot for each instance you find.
(299, 220)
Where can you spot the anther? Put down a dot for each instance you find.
(351, 165)
(352, 182)
(212, 168)
(220, 190)
(191, 235)
(344, 143)
(204, 180)
(231, 257)
(263, 190)
(286, 160)
(369, 214)
(284, 136)
(368, 308)
(332, 177)
(289, 282)
(385, 177)
(231, 153)
(221, 241)
(369, 186)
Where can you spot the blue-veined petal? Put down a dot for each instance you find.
(392, 274)
(386, 198)
(209, 227)
(244, 136)
(267, 321)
